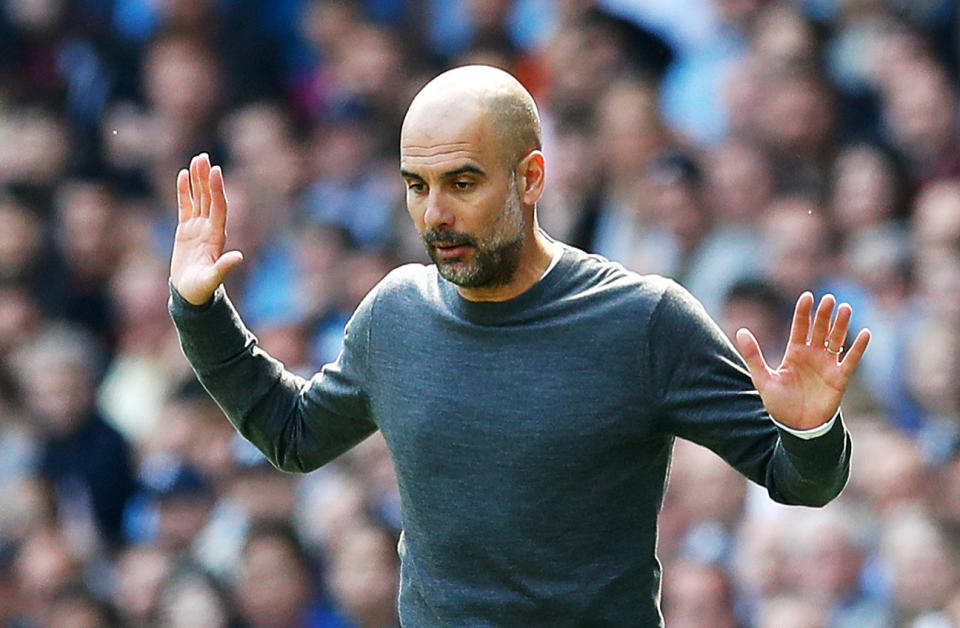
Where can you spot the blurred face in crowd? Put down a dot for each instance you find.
(784, 37)
(791, 612)
(138, 287)
(891, 474)
(864, 188)
(799, 243)
(675, 202)
(78, 610)
(34, 16)
(43, 566)
(936, 216)
(465, 177)
(35, 147)
(20, 239)
(697, 596)
(181, 518)
(260, 141)
(274, 585)
(363, 577)
(62, 397)
(87, 228)
(827, 558)
(366, 67)
(264, 493)
(938, 281)
(760, 561)
(738, 13)
(743, 95)
(761, 316)
(181, 79)
(19, 314)
(581, 62)
(796, 115)
(933, 367)
(707, 488)
(922, 561)
(141, 573)
(189, 600)
(739, 184)
(629, 129)
(948, 508)
(921, 112)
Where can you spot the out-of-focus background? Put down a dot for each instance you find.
(751, 149)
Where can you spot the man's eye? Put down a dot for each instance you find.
(463, 185)
(416, 187)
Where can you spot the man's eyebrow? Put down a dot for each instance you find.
(466, 169)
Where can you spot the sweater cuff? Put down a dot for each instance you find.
(829, 445)
(813, 432)
(211, 333)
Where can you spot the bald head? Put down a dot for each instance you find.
(478, 94)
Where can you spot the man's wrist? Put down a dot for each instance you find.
(186, 303)
(808, 434)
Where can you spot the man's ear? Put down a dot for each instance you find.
(530, 177)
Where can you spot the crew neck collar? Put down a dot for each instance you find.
(502, 312)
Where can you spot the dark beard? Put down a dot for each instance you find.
(491, 266)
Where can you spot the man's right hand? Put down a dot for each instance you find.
(198, 264)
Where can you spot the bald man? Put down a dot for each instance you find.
(529, 392)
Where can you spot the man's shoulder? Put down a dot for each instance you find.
(592, 271)
(406, 278)
(409, 284)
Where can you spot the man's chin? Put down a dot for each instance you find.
(456, 271)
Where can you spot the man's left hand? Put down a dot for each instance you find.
(804, 392)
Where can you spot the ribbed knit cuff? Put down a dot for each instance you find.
(211, 333)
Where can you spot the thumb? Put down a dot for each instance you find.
(227, 262)
(752, 355)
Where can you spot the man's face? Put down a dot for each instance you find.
(462, 196)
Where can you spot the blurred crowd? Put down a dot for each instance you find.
(751, 149)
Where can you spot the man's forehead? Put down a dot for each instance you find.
(443, 122)
(445, 141)
(426, 154)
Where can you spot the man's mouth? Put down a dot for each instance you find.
(450, 250)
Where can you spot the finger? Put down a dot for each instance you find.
(203, 172)
(195, 184)
(800, 328)
(227, 262)
(753, 356)
(852, 358)
(838, 333)
(218, 198)
(184, 204)
(821, 321)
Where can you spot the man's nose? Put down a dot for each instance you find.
(437, 214)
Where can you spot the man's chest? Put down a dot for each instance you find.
(530, 402)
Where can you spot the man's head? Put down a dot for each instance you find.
(470, 157)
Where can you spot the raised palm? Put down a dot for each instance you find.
(198, 263)
(804, 392)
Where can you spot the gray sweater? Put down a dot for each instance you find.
(531, 437)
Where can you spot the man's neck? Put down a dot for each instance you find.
(535, 258)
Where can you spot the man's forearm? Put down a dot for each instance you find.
(274, 409)
(810, 472)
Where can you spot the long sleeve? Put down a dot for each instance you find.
(298, 424)
(706, 396)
